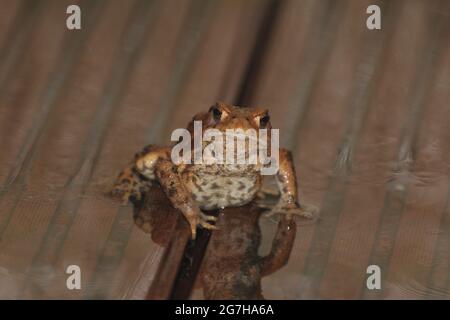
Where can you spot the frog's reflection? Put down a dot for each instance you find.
(156, 216)
(231, 267)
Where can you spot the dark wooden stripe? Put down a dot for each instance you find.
(319, 41)
(256, 59)
(169, 268)
(189, 265)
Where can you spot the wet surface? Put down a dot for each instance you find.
(232, 267)
(364, 112)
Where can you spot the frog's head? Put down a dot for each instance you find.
(223, 116)
(238, 123)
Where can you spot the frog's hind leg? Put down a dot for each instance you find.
(137, 178)
(131, 185)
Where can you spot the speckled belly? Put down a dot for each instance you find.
(214, 192)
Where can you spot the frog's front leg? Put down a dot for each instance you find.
(287, 184)
(136, 178)
(180, 197)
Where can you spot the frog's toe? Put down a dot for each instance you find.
(308, 210)
(206, 217)
(203, 221)
(207, 225)
(303, 211)
(200, 219)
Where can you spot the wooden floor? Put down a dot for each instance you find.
(366, 113)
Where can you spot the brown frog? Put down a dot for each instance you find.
(194, 187)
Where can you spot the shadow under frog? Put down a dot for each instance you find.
(231, 267)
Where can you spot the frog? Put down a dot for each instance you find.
(194, 188)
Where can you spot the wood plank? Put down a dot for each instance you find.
(364, 112)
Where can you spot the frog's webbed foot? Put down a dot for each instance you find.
(204, 219)
(305, 210)
(129, 185)
(201, 219)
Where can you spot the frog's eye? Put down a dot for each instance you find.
(264, 120)
(217, 113)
